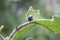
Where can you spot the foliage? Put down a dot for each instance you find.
(10, 18)
(51, 24)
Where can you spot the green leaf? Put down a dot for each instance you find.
(30, 38)
(51, 24)
(34, 13)
(20, 34)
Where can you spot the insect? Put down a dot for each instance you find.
(30, 18)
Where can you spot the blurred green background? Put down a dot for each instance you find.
(13, 12)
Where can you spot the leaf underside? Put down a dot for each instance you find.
(51, 25)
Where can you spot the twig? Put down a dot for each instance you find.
(16, 29)
(1, 36)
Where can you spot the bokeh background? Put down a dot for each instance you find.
(13, 12)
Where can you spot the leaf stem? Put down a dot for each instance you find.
(16, 29)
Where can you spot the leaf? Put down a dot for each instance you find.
(51, 24)
(20, 34)
(30, 38)
(34, 13)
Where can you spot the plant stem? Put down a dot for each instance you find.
(16, 29)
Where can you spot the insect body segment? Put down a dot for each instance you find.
(30, 18)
